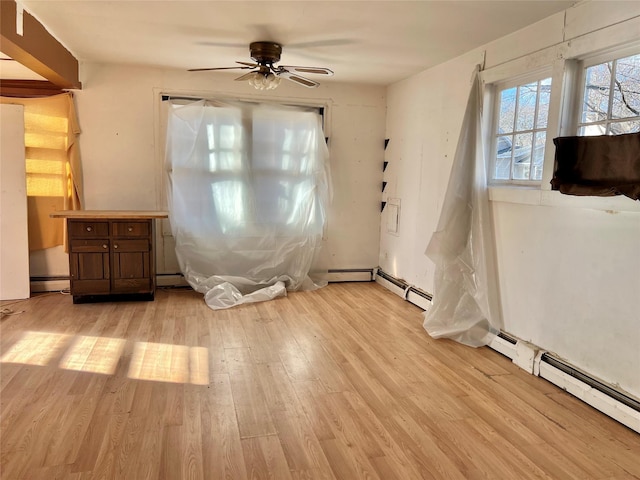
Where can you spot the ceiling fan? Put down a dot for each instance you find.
(265, 75)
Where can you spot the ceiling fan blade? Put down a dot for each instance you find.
(305, 82)
(246, 76)
(314, 70)
(252, 65)
(336, 42)
(217, 68)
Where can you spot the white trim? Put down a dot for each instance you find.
(530, 76)
(608, 54)
(619, 36)
(552, 198)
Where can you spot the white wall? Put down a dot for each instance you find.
(568, 267)
(14, 241)
(122, 147)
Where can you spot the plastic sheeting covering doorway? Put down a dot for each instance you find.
(466, 305)
(248, 189)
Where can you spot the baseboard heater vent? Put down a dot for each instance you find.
(392, 279)
(592, 382)
(507, 338)
(412, 294)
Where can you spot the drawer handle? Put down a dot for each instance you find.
(89, 228)
(115, 246)
(104, 245)
(130, 229)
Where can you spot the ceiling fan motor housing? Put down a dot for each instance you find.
(265, 53)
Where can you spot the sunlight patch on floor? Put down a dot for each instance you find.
(37, 348)
(163, 362)
(93, 354)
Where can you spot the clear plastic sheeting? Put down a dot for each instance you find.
(465, 306)
(248, 191)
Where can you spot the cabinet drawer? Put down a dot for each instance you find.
(87, 246)
(79, 229)
(120, 246)
(130, 229)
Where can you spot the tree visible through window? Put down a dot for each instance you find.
(520, 131)
(611, 101)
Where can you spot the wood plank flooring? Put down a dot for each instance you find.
(340, 383)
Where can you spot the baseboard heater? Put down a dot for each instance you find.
(601, 396)
(590, 381)
(407, 291)
(54, 283)
(333, 276)
(350, 275)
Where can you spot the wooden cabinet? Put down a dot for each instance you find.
(111, 254)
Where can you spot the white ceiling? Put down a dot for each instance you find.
(378, 42)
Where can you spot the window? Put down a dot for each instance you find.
(258, 164)
(520, 134)
(248, 189)
(611, 97)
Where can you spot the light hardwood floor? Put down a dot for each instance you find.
(338, 383)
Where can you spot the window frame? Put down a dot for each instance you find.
(495, 89)
(582, 64)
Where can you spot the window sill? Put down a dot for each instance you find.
(552, 198)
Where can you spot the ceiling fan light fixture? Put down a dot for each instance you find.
(261, 81)
(267, 75)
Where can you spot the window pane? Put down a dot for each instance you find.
(620, 128)
(229, 200)
(502, 165)
(522, 156)
(225, 161)
(527, 95)
(596, 93)
(229, 136)
(543, 103)
(626, 96)
(538, 155)
(520, 131)
(507, 110)
(593, 130)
